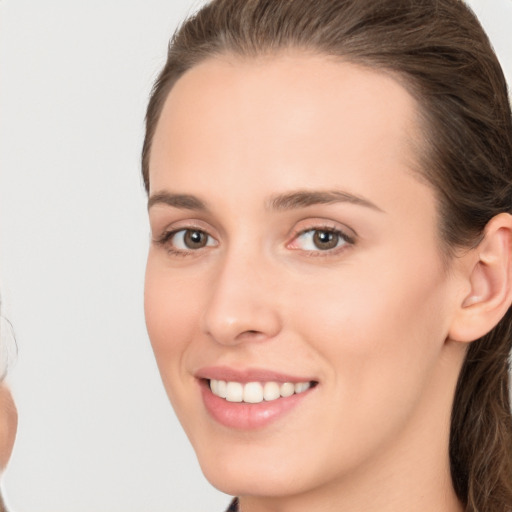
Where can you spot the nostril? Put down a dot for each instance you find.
(252, 334)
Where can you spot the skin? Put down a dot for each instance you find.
(8, 425)
(369, 320)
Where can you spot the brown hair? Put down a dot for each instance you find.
(439, 51)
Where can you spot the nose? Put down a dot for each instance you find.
(243, 303)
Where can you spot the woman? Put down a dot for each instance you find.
(8, 413)
(328, 285)
(8, 424)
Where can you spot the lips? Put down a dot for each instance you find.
(250, 399)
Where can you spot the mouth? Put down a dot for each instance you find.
(251, 399)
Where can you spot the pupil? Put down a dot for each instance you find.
(325, 239)
(195, 239)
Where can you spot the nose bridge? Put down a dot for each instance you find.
(242, 304)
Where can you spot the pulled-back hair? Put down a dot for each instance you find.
(440, 53)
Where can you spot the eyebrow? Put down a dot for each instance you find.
(281, 202)
(305, 198)
(182, 201)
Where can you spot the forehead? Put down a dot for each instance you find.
(280, 112)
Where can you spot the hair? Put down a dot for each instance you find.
(8, 347)
(440, 53)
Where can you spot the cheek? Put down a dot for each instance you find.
(379, 327)
(171, 309)
(8, 424)
(378, 334)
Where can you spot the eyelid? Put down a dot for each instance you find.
(320, 223)
(191, 224)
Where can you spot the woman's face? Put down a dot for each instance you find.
(8, 424)
(295, 250)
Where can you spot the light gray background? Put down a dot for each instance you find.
(96, 432)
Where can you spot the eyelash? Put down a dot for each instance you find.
(346, 240)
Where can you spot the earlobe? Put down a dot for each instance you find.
(490, 282)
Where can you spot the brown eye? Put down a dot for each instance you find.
(325, 240)
(191, 240)
(321, 240)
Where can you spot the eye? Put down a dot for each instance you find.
(185, 240)
(320, 240)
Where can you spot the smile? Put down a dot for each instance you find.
(252, 398)
(256, 392)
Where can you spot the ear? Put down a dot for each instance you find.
(488, 276)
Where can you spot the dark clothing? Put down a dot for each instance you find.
(234, 506)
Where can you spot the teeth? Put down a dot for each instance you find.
(222, 388)
(256, 392)
(253, 393)
(301, 386)
(287, 389)
(234, 392)
(271, 391)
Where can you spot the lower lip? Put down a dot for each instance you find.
(245, 416)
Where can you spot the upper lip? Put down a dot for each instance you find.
(247, 375)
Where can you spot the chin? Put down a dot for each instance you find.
(256, 471)
(247, 481)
